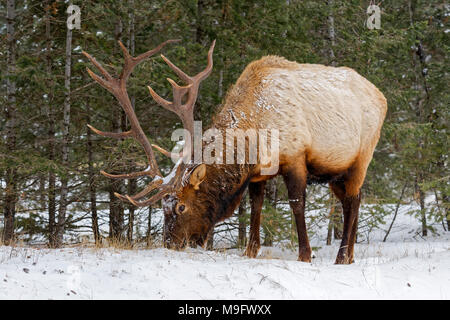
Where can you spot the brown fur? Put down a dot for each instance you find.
(220, 192)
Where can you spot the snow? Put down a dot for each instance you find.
(167, 179)
(382, 271)
(405, 267)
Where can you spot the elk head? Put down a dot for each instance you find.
(186, 217)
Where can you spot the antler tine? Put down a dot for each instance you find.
(149, 201)
(177, 70)
(152, 186)
(178, 93)
(107, 84)
(131, 175)
(155, 50)
(161, 101)
(205, 73)
(97, 65)
(168, 153)
(117, 135)
(201, 75)
(165, 188)
(131, 62)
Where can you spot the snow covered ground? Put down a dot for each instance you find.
(406, 267)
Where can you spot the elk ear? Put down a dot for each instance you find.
(197, 176)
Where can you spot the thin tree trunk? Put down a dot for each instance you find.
(331, 31)
(338, 223)
(418, 61)
(115, 204)
(330, 218)
(220, 89)
(396, 211)
(200, 33)
(436, 196)
(210, 241)
(132, 184)
(335, 224)
(9, 207)
(91, 177)
(446, 202)
(51, 192)
(446, 209)
(132, 188)
(42, 191)
(149, 227)
(420, 196)
(65, 143)
(272, 193)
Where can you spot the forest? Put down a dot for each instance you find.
(52, 192)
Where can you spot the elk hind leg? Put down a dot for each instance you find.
(350, 197)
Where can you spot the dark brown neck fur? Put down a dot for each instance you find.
(223, 189)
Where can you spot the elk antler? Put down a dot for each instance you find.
(118, 88)
(185, 111)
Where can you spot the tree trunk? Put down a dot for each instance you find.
(330, 218)
(331, 31)
(149, 227)
(9, 206)
(396, 212)
(210, 241)
(132, 188)
(420, 197)
(335, 224)
(446, 202)
(51, 192)
(115, 205)
(272, 194)
(65, 144)
(200, 32)
(418, 62)
(338, 223)
(132, 184)
(91, 177)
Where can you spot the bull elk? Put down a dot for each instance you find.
(329, 121)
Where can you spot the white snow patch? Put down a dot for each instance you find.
(405, 267)
(383, 271)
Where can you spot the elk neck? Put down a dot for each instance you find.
(224, 187)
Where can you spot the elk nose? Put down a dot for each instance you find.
(169, 203)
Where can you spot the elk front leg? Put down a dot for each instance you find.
(295, 180)
(256, 193)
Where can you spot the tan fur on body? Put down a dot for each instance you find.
(332, 116)
(329, 121)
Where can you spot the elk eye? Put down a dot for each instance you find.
(181, 208)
